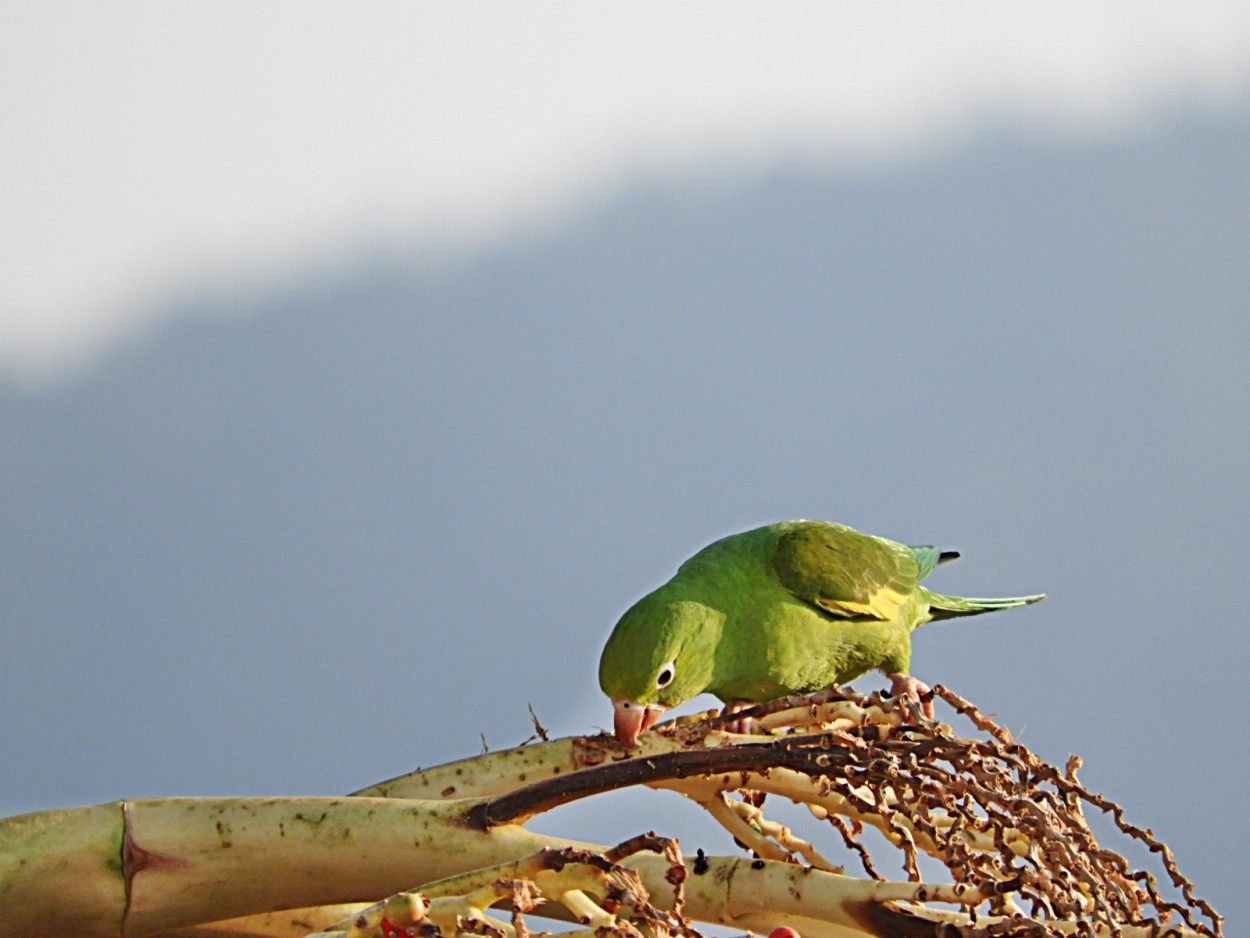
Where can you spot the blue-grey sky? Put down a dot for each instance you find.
(305, 528)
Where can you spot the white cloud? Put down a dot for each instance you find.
(150, 145)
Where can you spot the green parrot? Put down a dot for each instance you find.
(787, 608)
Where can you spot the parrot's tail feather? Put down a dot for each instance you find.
(947, 607)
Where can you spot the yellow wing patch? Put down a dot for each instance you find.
(883, 604)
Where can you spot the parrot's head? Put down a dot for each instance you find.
(660, 654)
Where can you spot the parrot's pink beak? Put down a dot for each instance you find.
(632, 719)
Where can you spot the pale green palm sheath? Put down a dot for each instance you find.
(787, 608)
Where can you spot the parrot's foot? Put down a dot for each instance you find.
(904, 685)
(744, 725)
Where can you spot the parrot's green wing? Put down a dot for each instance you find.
(847, 573)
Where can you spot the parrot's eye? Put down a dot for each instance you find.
(665, 676)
